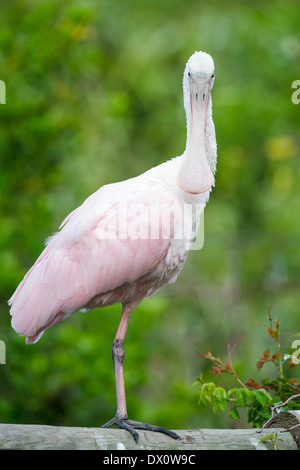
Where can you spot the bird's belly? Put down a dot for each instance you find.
(179, 232)
(166, 271)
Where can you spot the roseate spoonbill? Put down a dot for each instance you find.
(93, 261)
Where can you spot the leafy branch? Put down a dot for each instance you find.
(262, 400)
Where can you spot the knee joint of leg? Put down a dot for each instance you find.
(118, 350)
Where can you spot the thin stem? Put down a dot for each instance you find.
(230, 349)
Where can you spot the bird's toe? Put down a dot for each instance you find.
(131, 426)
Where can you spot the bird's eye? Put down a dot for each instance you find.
(189, 74)
(212, 75)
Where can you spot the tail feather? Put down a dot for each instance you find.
(31, 339)
(34, 305)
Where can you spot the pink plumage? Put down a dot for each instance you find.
(127, 239)
(86, 264)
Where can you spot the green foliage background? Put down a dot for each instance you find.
(94, 95)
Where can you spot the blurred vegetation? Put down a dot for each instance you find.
(93, 96)
(261, 400)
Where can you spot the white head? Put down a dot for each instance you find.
(200, 64)
(199, 72)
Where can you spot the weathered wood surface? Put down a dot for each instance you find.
(39, 437)
(288, 420)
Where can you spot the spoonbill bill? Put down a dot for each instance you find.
(127, 239)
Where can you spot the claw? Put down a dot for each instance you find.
(130, 426)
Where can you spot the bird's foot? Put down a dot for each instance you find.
(131, 426)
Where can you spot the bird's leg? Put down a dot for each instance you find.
(118, 354)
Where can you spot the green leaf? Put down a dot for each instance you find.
(206, 392)
(216, 407)
(222, 404)
(269, 437)
(248, 393)
(199, 380)
(262, 396)
(220, 393)
(231, 391)
(241, 397)
(233, 413)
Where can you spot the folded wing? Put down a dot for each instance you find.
(93, 253)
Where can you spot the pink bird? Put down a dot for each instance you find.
(127, 239)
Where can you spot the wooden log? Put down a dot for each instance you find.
(289, 420)
(40, 437)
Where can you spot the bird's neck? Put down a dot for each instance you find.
(195, 176)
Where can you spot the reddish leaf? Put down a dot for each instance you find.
(265, 358)
(276, 356)
(252, 383)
